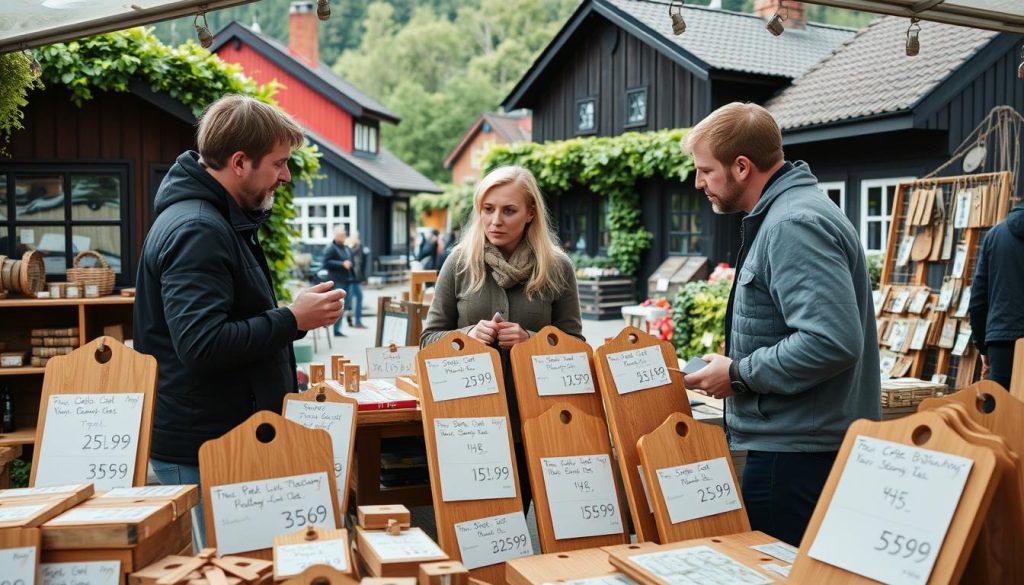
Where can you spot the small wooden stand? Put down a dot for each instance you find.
(323, 575)
(207, 568)
(443, 573)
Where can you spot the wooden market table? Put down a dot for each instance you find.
(372, 427)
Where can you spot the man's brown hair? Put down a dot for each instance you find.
(739, 129)
(240, 123)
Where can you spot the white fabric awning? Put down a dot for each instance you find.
(997, 15)
(32, 23)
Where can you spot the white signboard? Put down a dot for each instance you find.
(247, 516)
(111, 515)
(395, 329)
(292, 559)
(566, 373)
(698, 565)
(82, 573)
(891, 510)
(20, 513)
(337, 418)
(489, 541)
(473, 458)
(638, 369)
(462, 377)
(698, 489)
(90, 437)
(412, 543)
(19, 565)
(581, 495)
(381, 362)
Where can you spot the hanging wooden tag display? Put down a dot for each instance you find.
(95, 417)
(555, 367)
(473, 476)
(904, 504)
(573, 480)
(322, 408)
(294, 553)
(640, 385)
(691, 480)
(266, 477)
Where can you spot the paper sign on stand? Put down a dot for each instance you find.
(493, 540)
(638, 369)
(559, 374)
(336, 417)
(474, 458)
(698, 490)
(461, 377)
(780, 550)
(697, 564)
(581, 496)
(81, 573)
(19, 565)
(91, 437)
(408, 544)
(391, 362)
(294, 553)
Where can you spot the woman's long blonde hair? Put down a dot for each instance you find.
(545, 279)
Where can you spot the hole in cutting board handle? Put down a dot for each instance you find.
(320, 581)
(921, 435)
(565, 416)
(103, 353)
(265, 433)
(457, 345)
(552, 339)
(682, 429)
(632, 338)
(321, 397)
(986, 403)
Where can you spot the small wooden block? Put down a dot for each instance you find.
(409, 384)
(443, 573)
(376, 517)
(351, 377)
(64, 532)
(29, 513)
(563, 566)
(182, 500)
(308, 536)
(316, 373)
(380, 567)
(335, 367)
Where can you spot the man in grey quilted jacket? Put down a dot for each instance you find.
(801, 358)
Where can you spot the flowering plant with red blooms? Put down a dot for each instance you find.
(722, 271)
(661, 327)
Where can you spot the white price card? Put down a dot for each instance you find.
(395, 328)
(638, 369)
(698, 489)
(20, 513)
(90, 437)
(462, 377)
(780, 550)
(130, 514)
(149, 491)
(41, 491)
(473, 458)
(493, 540)
(565, 373)
(381, 362)
(612, 579)
(337, 418)
(412, 543)
(891, 510)
(81, 573)
(247, 516)
(19, 565)
(780, 570)
(292, 559)
(581, 495)
(643, 484)
(697, 565)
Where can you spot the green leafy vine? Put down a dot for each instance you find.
(16, 73)
(610, 167)
(191, 75)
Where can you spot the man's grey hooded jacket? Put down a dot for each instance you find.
(803, 326)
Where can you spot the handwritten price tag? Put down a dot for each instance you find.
(88, 573)
(489, 541)
(90, 437)
(698, 489)
(292, 559)
(581, 494)
(567, 373)
(19, 565)
(473, 458)
(384, 363)
(247, 516)
(462, 377)
(337, 419)
(891, 510)
(638, 369)
(408, 544)
(697, 564)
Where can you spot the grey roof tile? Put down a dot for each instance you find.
(385, 167)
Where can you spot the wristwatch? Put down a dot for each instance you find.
(736, 380)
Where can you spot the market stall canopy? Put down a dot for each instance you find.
(32, 23)
(998, 15)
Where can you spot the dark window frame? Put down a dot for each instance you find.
(629, 93)
(576, 117)
(697, 211)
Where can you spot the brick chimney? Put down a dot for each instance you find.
(795, 20)
(304, 32)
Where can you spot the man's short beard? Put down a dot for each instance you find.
(268, 203)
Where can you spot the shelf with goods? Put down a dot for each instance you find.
(20, 316)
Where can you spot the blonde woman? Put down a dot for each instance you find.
(506, 279)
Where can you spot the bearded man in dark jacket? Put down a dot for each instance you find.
(205, 306)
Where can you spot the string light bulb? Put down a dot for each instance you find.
(323, 9)
(203, 31)
(678, 24)
(913, 38)
(775, 23)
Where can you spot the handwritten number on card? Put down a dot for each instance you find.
(712, 493)
(895, 544)
(477, 380)
(15, 582)
(495, 473)
(107, 442)
(590, 512)
(299, 518)
(510, 543)
(649, 374)
(107, 471)
(895, 498)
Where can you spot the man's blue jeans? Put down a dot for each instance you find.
(177, 474)
(781, 490)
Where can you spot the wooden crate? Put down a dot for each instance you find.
(603, 297)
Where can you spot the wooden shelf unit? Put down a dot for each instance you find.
(20, 316)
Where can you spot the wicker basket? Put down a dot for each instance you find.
(102, 276)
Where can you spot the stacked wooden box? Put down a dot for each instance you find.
(48, 343)
(603, 297)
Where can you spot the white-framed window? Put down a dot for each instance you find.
(365, 138)
(586, 115)
(317, 217)
(876, 203)
(836, 191)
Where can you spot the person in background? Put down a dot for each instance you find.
(996, 307)
(508, 262)
(354, 300)
(338, 262)
(801, 359)
(205, 305)
(429, 252)
(449, 243)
